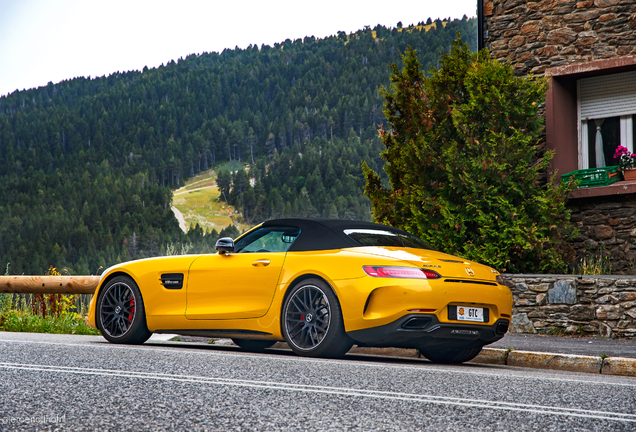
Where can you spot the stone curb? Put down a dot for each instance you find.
(619, 366)
(565, 362)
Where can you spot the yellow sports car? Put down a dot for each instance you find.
(320, 285)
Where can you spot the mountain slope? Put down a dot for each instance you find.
(87, 165)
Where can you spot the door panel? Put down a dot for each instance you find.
(235, 285)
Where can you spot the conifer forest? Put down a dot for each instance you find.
(88, 165)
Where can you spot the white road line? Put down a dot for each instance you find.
(340, 391)
(494, 371)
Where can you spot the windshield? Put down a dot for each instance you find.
(371, 237)
(268, 239)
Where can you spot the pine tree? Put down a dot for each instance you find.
(461, 160)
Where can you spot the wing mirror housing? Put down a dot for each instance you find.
(225, 245)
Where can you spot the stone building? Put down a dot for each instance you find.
(587, 48)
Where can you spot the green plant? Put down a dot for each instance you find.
(507, 354)
(595, 263)
(580, 331)
(24, 321)
(53, 304)
(557, 331)
(463, 165)
(211, 342)
(5, 299)
(176, 339)
(626, 159)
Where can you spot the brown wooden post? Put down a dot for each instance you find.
(48, 284)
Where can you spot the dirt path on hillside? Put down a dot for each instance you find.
(180, 218)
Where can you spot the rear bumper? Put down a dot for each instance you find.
(417, 330)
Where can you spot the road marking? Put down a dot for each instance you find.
(340, 391)
(490, 371)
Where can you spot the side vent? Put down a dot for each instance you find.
(172, 280)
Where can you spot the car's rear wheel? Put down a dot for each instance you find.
(120, 313)
(312, 321)
(450, 355)
(253, 345)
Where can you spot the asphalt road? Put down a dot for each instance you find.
(54, 382)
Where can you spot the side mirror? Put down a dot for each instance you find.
(225, 245)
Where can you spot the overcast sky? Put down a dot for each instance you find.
(46, 40)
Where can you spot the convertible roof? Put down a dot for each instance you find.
(325, 234)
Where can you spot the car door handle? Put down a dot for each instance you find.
(261, 263)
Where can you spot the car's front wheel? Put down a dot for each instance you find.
(449, 354)
(312, 321)
(120, 312)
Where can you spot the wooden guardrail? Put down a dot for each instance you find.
(48, 284)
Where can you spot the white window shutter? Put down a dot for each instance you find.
(608, 95)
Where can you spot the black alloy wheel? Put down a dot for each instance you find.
(120, 313)
(312, 321)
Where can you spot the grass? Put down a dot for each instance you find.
(557, 331)
(18, 314)
(594, 264)
(561, 331)
(23, 321)
(200, 202)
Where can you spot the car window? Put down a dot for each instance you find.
(267, 239)
(371, 237)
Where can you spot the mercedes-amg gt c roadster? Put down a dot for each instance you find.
(320, 285)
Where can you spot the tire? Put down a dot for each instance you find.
(450, 355)
(312, 323)
(253, 345)
(120, 314)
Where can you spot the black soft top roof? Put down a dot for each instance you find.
(325, 234)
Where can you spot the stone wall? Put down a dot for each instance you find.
(607, 225)
(537, 35)
(567, 304)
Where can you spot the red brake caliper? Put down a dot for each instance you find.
(132, 309)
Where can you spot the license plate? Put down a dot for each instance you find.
(469, 313)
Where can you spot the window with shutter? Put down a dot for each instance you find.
(606, 117)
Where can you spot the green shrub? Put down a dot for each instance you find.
(463, 166)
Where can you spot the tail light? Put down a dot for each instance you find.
(400, 272)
